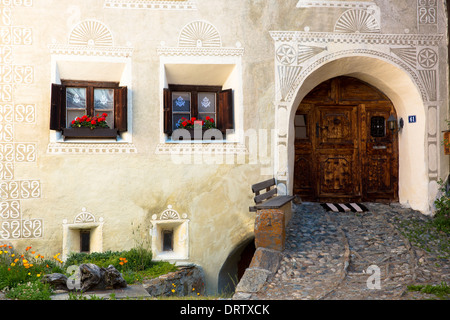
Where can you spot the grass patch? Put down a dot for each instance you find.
(21, 272)
(441, 291)
(135, 265)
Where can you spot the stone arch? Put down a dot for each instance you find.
(237, 261)
(403, 88)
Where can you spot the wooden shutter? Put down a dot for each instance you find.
(225, 111)
(167, 111)
(121, 108)
(57, 108)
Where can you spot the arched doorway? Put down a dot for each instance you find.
(344, 150)
(234, 267)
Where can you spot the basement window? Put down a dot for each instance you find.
(167, 239)
(85, 241)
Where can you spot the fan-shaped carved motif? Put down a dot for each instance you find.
(91, 33)
(169, 214)
(84, 217)
(357, 21)
(199, 34)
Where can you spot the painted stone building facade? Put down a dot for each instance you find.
(247, 64)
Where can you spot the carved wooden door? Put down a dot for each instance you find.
(343, 148)
(379, 153)
(336, 152)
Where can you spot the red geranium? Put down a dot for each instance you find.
(90, 122)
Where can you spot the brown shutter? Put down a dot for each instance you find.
(225, 111)
(121, 108)
(57, 108)
(167, 111)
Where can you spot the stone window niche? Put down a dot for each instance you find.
(170, 236)
(85, 234)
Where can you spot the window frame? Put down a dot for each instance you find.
(58, 117)
(224, 105)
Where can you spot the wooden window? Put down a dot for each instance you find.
(301, 128)
(74, 99)
(199, 102)
(378, 127)
(85, 240)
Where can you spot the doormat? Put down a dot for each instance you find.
(344, 207)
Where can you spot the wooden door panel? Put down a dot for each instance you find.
(304, 177)
(380, 154)
(338, 174)
(336, 127)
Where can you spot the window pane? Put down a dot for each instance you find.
(76, 98)
(301, 131)
(300, 120)
(202, 116)
(103, 99)
(206, 102)
(377, 127)
(181, 102)
(72, 115)
(109, 118)
(177, 117)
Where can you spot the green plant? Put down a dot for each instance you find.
(18, 268)
(184, 123)
(35, 290)
(441, 219)
(441, 291)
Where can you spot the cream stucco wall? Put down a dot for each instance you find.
(46, 181)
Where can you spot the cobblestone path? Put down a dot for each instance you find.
(339, 255)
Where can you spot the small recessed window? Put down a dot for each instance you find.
(85, 241)
(377, 127)
(167, 240)
(301, 131)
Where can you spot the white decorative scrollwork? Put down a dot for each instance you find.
(84, 217)
(286, 54)
(91, 33)
(427, 58)
(199, 34)
(357, 21)
(169, 214)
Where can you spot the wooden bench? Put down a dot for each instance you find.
(270, 198)
(273, 212)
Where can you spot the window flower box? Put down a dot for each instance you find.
(194, 129)
(88, 133)
(197, 134)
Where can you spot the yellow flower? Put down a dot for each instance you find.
(38, 275)
(13, 264)
(173, 290)
(13, 255)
